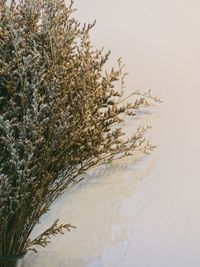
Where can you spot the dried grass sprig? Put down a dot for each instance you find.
(44, 238)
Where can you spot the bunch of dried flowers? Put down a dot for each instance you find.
(60, 114)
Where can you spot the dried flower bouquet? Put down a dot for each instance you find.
(60, 114)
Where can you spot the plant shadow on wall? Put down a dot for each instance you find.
(61, 114)
(95, 206)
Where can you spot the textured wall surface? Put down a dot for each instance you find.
(145, 214)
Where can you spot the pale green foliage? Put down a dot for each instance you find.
(60, 114)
